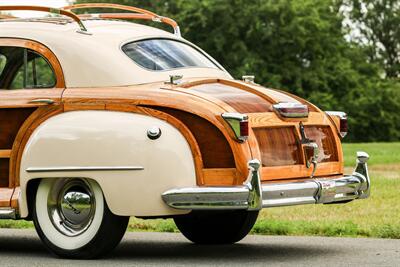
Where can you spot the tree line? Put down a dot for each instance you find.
(338, 54)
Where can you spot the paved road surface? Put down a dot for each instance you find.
(23, 248)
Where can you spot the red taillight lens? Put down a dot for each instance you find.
(244, 128)
(344, 128)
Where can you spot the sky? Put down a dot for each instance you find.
(49, 3)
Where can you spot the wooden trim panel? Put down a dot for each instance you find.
(5, 196)
(218, 177)
(5, 153)
(300, 171)
(38, 117)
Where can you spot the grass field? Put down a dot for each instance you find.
(378, 216)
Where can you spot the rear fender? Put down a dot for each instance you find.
(113, 149)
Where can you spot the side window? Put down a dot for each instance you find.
(24, 68)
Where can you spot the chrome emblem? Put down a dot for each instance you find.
(311, 150)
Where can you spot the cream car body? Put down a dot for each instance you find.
(131, 179)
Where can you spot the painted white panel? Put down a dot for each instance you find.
(107, 138)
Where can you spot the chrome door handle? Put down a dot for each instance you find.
(42, 101)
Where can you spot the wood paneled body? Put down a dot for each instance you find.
(19, 109)
(219, 158)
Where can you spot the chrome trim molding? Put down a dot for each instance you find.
(86, 168)
(247, 196)
(340, 114)
(342, 117)
(297, 110)
(254, 196)
(8, 213)
(234, 120)
(248, 78)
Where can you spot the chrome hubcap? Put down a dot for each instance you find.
(71, 206)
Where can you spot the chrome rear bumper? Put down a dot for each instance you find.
(254, 196)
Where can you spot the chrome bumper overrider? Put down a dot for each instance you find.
(254, 196)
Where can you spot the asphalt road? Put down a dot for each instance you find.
(23, 248)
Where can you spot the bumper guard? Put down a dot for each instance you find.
(254, 196)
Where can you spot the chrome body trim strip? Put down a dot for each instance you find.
(254, 196)
(85, 168)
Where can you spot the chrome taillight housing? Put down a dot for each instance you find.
(239, 124)
(341, 122)
(291, 110)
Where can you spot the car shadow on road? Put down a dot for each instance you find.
(186, 252)
(161, 249)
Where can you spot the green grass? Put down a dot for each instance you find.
(377, 216)
(380, 153)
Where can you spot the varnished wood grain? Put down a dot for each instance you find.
(5, 196)
(215, 149)
(161, 97)
(4, 168)
(278, 146)
(11, 121)
(220, 177)
(24, 133)
(5, 153)
(241, 100)
(300, 171)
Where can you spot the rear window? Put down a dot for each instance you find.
(163, 54)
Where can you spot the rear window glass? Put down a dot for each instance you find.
(163, 54)
(3, 61)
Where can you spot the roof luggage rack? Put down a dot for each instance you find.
(48, 10)
(139, 13)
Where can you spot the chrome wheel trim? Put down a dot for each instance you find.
(71, 206)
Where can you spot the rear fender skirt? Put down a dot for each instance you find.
(113, 149)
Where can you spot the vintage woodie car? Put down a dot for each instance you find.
(102, 119)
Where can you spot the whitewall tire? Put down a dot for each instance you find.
(73, 219)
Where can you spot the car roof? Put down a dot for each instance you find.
(96, 59)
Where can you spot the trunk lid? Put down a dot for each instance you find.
(279, 138)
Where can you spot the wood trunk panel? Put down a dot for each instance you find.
(4, 168)
(278, 146)
(214, 148)
(240, 100)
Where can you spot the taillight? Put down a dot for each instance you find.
(239, 124)
(341, 122)
(291, 110)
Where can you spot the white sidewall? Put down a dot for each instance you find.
(52, 234)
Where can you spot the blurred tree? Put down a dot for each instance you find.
(377, 23)
(295, 45)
